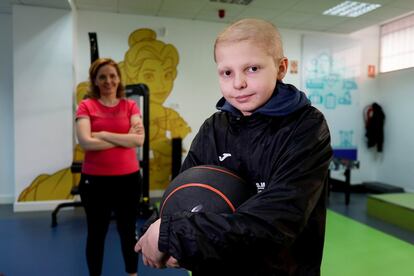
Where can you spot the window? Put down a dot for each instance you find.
(397, 44)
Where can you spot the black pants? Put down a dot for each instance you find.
(103, 196)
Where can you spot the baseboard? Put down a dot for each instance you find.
(31, 206)
(6, 199)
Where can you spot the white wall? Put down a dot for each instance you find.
(394, 92)
(43, 88)
(368, 87)
(6, 111)
(292, 47)
(396, 96)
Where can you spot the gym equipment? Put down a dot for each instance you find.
(375, 187)
(93, 44)
(206, 188)
(347, 165)
(395, 208)
(74, 168)
(176, 156)
(140, 93)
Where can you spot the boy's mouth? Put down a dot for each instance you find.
(243, 98)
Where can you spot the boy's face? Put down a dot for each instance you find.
(247, 74)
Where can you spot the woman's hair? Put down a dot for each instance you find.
(263, 33)
(93, 72)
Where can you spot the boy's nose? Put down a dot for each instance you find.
(239, 82)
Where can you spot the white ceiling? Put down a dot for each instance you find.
(293, 14)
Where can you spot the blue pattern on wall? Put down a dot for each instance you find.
(326, 85)
(331, 66)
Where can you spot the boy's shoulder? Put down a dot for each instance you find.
(313, 112)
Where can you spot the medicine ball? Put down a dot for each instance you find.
(206, 188)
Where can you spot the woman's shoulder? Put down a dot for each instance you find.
(130, 105)
(88, 101)
(129, 102)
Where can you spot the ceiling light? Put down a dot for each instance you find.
(351, 9)
(238, 2)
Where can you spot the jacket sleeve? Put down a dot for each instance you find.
(267, 222)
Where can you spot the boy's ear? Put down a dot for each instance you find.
(283, 67)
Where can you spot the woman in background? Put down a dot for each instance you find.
(109, 128)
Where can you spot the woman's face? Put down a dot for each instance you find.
(107, 80)
(159, 77)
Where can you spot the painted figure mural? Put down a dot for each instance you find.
(154, 63)
(148, 61)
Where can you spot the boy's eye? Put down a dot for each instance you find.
(227, 73)
(253, 69)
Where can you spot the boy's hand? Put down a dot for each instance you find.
(148, 247)
(172, 263)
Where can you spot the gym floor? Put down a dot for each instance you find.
(354, 246)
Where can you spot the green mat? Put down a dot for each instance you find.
(405, 200)
(396, 209)
(354, 249)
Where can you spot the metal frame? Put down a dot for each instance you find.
(141, 90)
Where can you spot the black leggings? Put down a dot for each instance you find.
(102, 196)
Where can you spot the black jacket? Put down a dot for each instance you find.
(283, 149)
(375, 127)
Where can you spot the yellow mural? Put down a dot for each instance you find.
(148, 61)
(154, 63)
(58, 185)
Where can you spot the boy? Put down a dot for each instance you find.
(275, 140)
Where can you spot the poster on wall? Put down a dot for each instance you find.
(331, 67)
